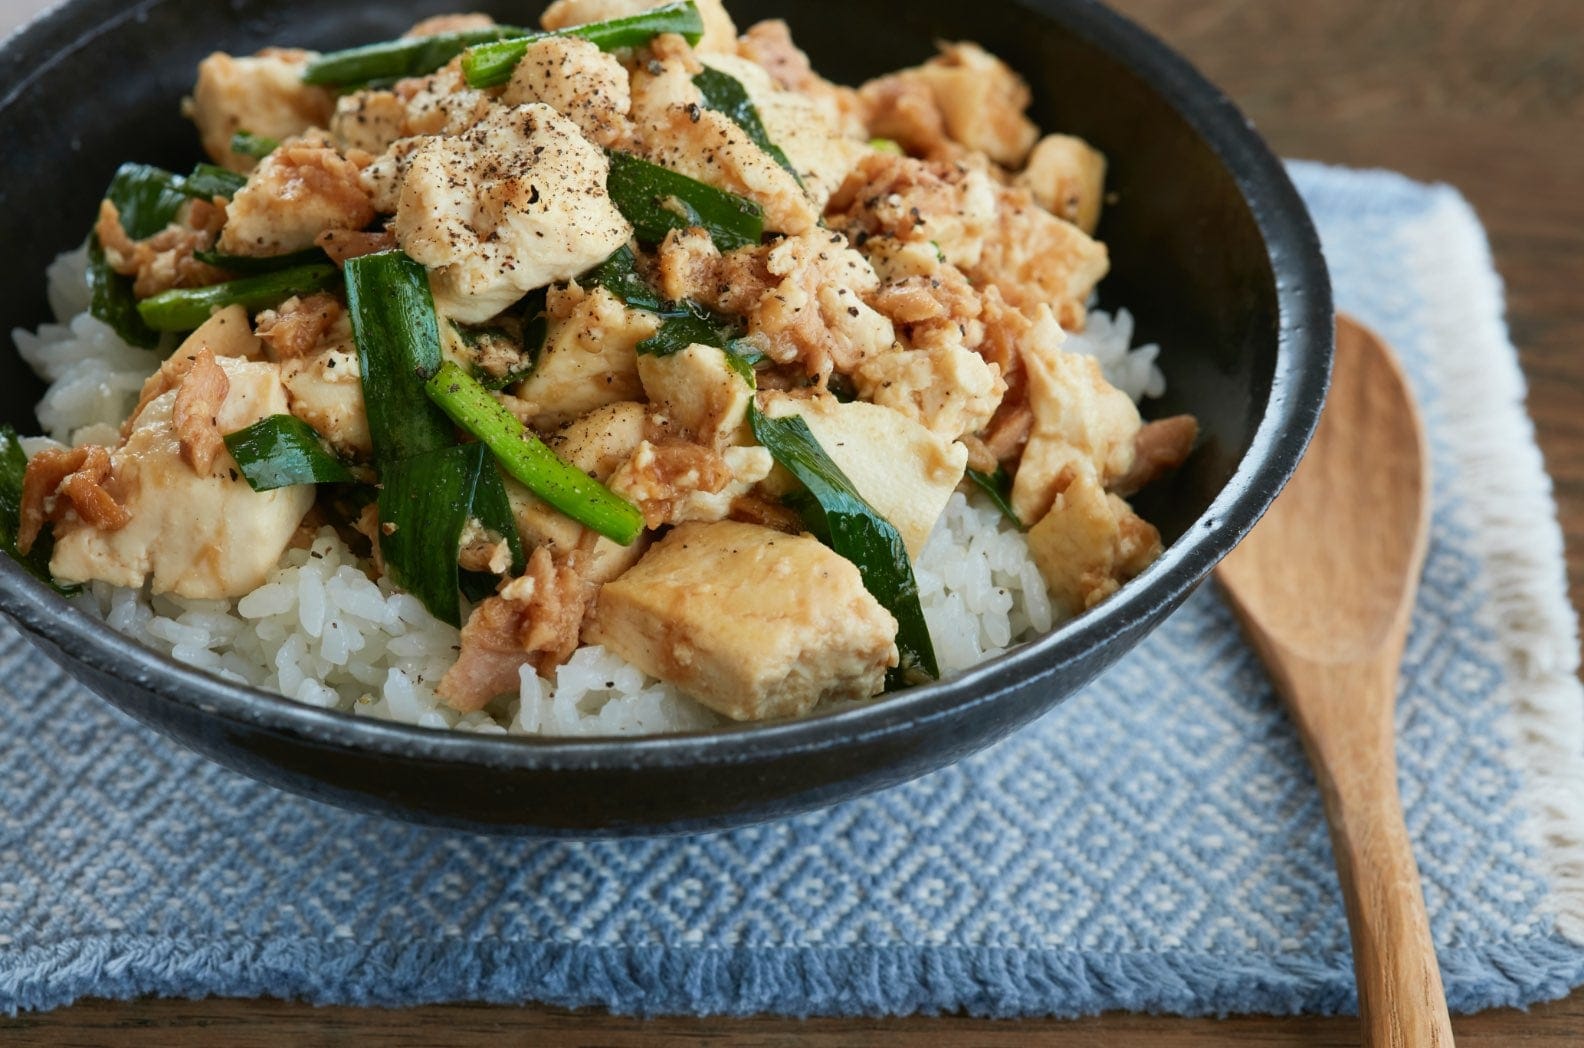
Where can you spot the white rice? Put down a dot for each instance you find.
(320, 632)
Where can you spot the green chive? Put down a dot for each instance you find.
(998, 486)
(147, 200)
(424, 505)
(657, 200)
(726, 94)
(183, 309)
(699, 326)
(245, 143)
(850, 526)
(13, 467)
(619, 275)
(398, 341)
(393, 60)
(491, 64)
(886, 145)
(524, 456)
(250, 265)
(208, 181)
(282, 450)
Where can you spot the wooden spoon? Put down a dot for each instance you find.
(1324, 587)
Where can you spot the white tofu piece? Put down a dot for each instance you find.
(589, 360)
(206, 537)
(752, 622)
(698, 390)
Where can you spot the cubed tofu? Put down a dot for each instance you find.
(946, 388)
(326, 391)
(297, 192)
(982, 101)
(699, 392)
(263, 94)
(905, 472)
(589, 360)
(1082, 423)
(1067, 177)
(1089, 544)
(752, 622)
(579, 81)
(207, 537)
(514, 203)
(1037, 259)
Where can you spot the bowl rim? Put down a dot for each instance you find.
(1298, 384)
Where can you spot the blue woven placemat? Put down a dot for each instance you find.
(1156, 843)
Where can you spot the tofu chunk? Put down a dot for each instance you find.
(1089, 544)
(1067, 177)
(946, 388)
(699, 392)
(1083, 425)
(752, 622)
(263, 94)
(297, 192)
(513, 204)
(326, 391)
(1037, 259)
(982, 101)
(905, 472)
(589, 359)
(206, 536)
(577, 80)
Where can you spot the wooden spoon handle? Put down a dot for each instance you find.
(1349, 736)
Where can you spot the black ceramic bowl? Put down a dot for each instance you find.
(1212, 251)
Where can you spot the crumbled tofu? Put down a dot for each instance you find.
(1083, 425)
(1088, 544)
(511, 205)
(675, 481)
(263, 94)
(948, 389)
(982, 101)
(1037, 259)
(589, 357)
(1067, 178)
(577, 80)
(951, 206)
(700, 392)
(675, 130)
(905, 472)
(325, 391)
(204, 536)
(297, 192)
(800, 126)
(227, 333)
(720, 33)
(752, 622)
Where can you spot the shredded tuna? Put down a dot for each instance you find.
(195, 415)
(295, 194)
(295, 328)
(1158, 448)
(534, 621)
(660, 478)
(167, 259)
(60, 479)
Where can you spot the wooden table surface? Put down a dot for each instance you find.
(1485, 94)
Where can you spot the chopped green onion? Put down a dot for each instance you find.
(505, 352)
(850, 526)
(886, 145)
(398, 342)
(147, 200)
(998, 486)
(283, 450)
(425, 503)
(245, 143)
(699, 326)
(492, 508)
(524, 456)
(726, 94)
(657, 200)
(392, 60)
(183, 309)
(208, 181)
(13, 468)
(619, 275)
(248, 265)
(491, 64)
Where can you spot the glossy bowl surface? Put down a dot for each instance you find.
(1212, 251)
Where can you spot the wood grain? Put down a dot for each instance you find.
(1324, 587)
(1485, 94)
